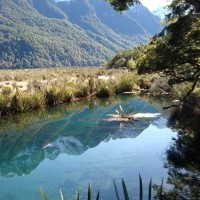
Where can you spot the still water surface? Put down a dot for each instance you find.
(70, 146)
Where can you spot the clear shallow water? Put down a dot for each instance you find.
(69, 147)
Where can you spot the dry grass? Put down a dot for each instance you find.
(26, 89)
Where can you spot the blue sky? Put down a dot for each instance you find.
(154, 5)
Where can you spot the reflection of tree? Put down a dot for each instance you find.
(183, 157)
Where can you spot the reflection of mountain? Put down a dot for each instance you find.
(129, 129)
(23, 149)
(160, 123)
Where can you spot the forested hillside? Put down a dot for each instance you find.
(174, 53)
(43, 33)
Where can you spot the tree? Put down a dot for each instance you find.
(175, 52)
(121, 5)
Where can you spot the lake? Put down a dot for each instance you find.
(71, 146)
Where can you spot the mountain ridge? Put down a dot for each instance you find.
(43, 34)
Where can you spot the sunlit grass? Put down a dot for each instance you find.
(24, 90)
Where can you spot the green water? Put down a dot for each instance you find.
(70, 146)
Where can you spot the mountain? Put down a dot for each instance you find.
(161, 12)
(45, 33)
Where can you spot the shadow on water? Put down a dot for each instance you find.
(27, 139)
(183, 156)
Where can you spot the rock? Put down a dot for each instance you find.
(160, 86)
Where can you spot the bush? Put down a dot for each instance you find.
(82, 91)
(131, 65)
(181, 90)
(126, 83)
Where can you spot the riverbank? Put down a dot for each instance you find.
(30, 89)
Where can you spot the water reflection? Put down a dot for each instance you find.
(26, 140)
(183, 157)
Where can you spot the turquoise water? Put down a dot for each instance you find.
(70, 146)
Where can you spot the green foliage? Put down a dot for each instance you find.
(131, 65)
(174, 52)
(6, 91)
(60, 86)
(180, 8)
(82, 91)
(180, 90)
(126, 83)
(44, 34)
(59, 94)
(126, 58)
(24, 101)
(104, 89)
(4, 105)
(38, 41)
(125, 192)
(121, 5)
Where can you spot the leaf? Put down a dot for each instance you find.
(97, 198)
(61, 195)
(77, 195)
(43, 194)
(121, 108)
(89, 192)
(116, 191)
(150, 186)
(126, 197)
(161, 190)
(141, 188)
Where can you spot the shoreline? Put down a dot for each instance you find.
(32, 89)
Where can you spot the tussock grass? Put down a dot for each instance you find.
(23, 90)
(126, 83)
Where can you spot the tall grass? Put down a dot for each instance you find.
(56, 95)
(126, 83)
(104, 89)
(23, 101)
(41, 88)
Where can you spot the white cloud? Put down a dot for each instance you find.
(153, 5)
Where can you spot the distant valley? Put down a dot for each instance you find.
(45, 33)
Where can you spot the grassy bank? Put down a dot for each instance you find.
(23, 90)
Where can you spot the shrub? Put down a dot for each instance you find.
(104, 89)
(82, 91)
(65, 93)
(126, 83)
(131, 65)
(181, 90)
(23, 101)
(19, 102)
